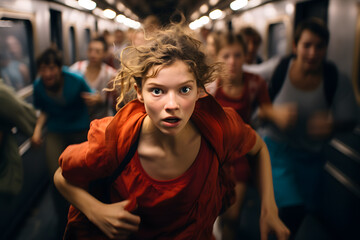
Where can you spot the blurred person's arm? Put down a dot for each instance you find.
(283, 116)
(92, 99)
(36, 139)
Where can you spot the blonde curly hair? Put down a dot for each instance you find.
(164, 47)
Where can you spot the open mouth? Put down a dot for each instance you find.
(172, 120)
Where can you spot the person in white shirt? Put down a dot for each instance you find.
(98, 75)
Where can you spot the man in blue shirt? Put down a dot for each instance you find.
(58, 96)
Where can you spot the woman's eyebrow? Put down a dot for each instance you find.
(161, 85)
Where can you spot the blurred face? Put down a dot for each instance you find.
(119, 37)
(96, 52)
(310, 51)
(170, 97)
(50, 75)
(210, 46)
(139, 39)
(14, 46)
(252, 49)
(234, 58)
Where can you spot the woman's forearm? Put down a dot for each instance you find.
(261, 158)
(77, 196)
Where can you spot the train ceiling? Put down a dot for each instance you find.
(163, 9)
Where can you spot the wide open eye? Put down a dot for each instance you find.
(156, 91)
(185, 90)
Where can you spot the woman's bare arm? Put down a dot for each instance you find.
(269, 219)
(112, 219)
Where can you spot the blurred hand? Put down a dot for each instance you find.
(320, 125)
(36, 139)
(285, 115)
(114, 220)
(91, 99)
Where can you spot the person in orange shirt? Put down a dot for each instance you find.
(178, 180)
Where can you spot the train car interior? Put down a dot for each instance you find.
(69, 26)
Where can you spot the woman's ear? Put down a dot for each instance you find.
(138, 93)
(201, 93)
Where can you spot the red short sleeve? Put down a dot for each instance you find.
(81, 163)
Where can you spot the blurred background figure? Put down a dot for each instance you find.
(243, 92)
(252, 40)
(14, 112)
(14, 72)
(138, 38)
(16, 50)
(98, 75)
(58, 94)
(254, 62)
(113, 54)
(309, 82)
(151, 24)
(203, 34)
(115, 49)
(211, 46)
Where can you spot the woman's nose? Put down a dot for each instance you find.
(171, 101)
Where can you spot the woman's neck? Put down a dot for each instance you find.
(150, 133)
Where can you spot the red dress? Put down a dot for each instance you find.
(254, 93)
(181, 208)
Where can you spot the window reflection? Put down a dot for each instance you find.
(277, 44)
(15, 56)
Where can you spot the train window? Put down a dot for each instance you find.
(356, 68)
(277, 40)
(72, 45)
(56, 29)
(87, 36)
(86, 40)
(16, 55)
(96, 26)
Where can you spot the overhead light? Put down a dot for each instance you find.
(120, 18)
(198, 23)
(98, 12)
(111, 1)
(213, 2)
(72, 3)
(87, 4)
(108, 13)
(238, 4)
(289, 8)
(204, 20)
(131, 23)
(204, 8)
(120, 6)
(195, 15)
(216, 14)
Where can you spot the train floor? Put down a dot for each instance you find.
(41, 223)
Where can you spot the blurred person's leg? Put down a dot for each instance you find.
(55, 145)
